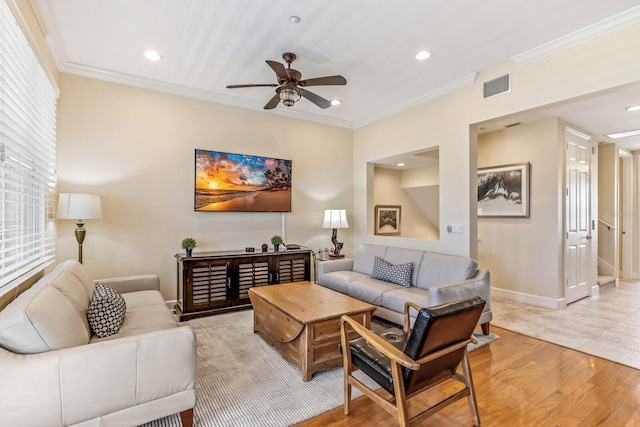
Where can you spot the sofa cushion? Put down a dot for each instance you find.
(394, 299)
(370, 290)
(399, 274)
(365, 255)
(339, 280)
(441, 269)
(81, 273)
(146, 312)
(69, 285)
(41, 319)
(106, 311)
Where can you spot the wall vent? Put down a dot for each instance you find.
(496, 86)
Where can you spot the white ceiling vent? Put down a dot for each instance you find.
(496, 86)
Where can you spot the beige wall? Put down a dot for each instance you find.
(135, 148)
(388, 190)
(525, 254)
(599, 65)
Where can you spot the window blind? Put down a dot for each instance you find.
(27, 157)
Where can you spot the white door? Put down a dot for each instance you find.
(577, 223)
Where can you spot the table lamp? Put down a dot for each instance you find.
(335, 218)
(79, 207)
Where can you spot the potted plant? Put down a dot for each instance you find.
(276, 241)
(188, 244)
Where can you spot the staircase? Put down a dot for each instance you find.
(605, 282)
(606, 275)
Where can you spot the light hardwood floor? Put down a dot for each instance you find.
(524, 381)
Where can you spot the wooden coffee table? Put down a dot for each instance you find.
(302, 321)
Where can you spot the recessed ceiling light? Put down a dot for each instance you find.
(400, 164)
(152, 55)
(634, 108)
(336, 102)
(421, 56)
(624, 134)
(294, 19)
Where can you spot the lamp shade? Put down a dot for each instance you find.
(79, 206)
(335, 218)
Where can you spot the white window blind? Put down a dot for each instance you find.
(27, 157)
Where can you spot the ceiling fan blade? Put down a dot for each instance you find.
(281, 72)
(273, 102)
(255, 85)
(324, 81)
(316, 99)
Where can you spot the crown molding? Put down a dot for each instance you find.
(158, 86)
(582, 35)
(421, 98)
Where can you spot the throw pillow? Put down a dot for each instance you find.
(106, 311)
(399, 274)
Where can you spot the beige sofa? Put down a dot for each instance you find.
(53, 372)
(435, 279)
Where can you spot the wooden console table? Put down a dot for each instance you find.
(216, 282)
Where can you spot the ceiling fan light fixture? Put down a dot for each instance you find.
(289, 96)
(335, 102)
(634, 108)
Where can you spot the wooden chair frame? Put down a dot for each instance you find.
(400, 404)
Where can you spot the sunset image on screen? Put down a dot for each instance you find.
(239, 182)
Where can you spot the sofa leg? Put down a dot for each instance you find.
(485, 328)
(187, 418)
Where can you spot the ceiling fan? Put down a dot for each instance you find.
(290, 87)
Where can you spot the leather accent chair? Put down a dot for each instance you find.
(408, 362)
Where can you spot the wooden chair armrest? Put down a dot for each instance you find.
(453, 347)
(376, 342)
(407, 319)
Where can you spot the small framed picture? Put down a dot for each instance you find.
(387, 220)
(503, 191)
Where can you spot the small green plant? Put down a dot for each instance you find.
(276, 240)
(188, 243)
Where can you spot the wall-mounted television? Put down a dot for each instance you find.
(229, 182)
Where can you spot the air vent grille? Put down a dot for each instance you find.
(497, 86)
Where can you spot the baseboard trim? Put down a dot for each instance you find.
(554, 304)
(171, 304)
(595, 290)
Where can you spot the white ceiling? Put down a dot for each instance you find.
(209, 44)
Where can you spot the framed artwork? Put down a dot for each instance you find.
(387, 220)
(503, 191)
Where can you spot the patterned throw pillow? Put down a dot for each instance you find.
(399, 274)
(106, 311)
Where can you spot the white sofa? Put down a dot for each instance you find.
(53, 372)
(436, 279)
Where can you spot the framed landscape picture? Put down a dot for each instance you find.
(503, 191)
(387, 220)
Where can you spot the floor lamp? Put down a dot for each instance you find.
(79, 207)
(335, 218)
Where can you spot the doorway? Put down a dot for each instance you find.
(625, 214)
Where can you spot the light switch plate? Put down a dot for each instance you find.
(457, 228)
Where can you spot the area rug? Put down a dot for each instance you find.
(243, 381)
